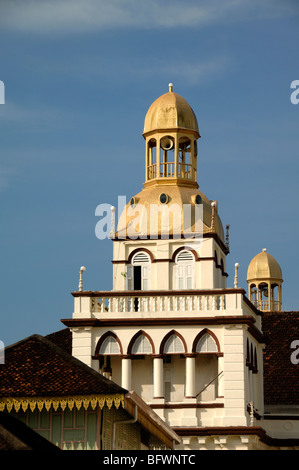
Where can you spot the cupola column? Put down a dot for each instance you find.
(279, 298)
(158, 158)
(176, 155)
(193, 172)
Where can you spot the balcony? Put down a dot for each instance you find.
(105, 305)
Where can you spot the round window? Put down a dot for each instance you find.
(163, 198)
(198, 199)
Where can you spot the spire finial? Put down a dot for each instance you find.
(170, 86)
(236, 275)
(213, 204)
(112, 230)
(82, 269)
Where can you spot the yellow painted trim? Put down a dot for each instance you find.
(46, 402)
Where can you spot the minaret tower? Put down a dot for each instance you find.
(264, 280)
(171, 329)
(170, 235)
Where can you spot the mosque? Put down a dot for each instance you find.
(212, 361)
(198, 364)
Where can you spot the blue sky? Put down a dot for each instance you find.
(79, 77)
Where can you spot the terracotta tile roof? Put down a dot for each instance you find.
(62, 338)
(36, 366)
(281, 376)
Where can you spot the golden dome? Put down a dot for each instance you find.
(144, 224)
(264, 266)
(170, 111)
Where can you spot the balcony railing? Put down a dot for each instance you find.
(159, 303)
(267, 305)
(98, 304)
(167, 170)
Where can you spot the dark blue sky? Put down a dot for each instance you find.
(79, 77)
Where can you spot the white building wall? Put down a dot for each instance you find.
(163, 273)
(234, 377)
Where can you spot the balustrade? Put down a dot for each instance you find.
(157, 303)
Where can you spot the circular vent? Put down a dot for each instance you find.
(163, 198)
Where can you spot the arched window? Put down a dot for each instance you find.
(138, 272)
(206, 347)
(140, 258)
(109, 346)
(142, 346)
(173, 345)
(173, 348)
(206, 344)
(185, 270)
(107, 350)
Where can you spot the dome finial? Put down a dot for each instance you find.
(170, 86)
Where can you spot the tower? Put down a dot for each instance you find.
(170, 235)
(264, 280)
(171, 329)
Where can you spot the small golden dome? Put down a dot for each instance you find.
(170, 111)
(264, 266)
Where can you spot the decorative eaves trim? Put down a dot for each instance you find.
(9, 403)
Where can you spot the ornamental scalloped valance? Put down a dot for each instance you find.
(23, 403)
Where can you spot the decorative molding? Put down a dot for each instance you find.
(182, 236)
(150, 293)
(32, 403)
(237, 431)
(185, 405)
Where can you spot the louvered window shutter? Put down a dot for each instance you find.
(130, 277)
(109, 346)
(142, 346)
(140, 257)
(206, 344)
(173, 345)
(185, 270)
